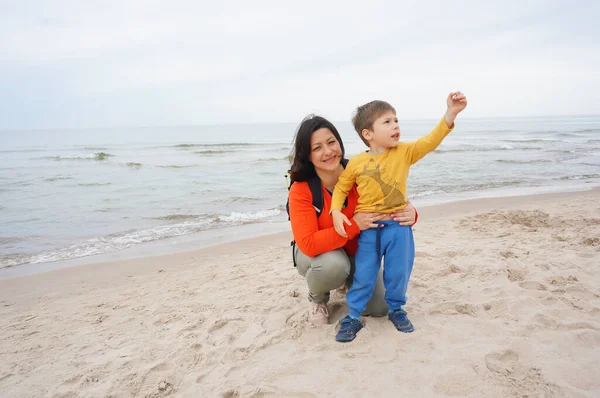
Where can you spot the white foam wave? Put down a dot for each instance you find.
(245, 217)
(117, 242)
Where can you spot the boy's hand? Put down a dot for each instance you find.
(456, 102)
(338, 222)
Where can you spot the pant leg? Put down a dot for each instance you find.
(365, 275)
(399, 256)
(377, 305)
(323, 273)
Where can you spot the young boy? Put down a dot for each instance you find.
(380, 175)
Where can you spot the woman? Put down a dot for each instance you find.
(325, 258)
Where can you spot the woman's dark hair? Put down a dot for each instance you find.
(302, 169)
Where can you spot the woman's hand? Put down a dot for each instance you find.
(406, 216)
(367, 220)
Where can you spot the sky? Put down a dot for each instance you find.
(76, 64)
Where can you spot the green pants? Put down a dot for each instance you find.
(330, 270)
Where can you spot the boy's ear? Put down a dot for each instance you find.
(366, 133)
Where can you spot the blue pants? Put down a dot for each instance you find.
(396, 245)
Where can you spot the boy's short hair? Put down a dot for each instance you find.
(365, 115)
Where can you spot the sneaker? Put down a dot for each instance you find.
(400, 320)
(342, 289)
(318, 313)
(348, 329)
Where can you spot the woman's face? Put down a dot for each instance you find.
(325, 150)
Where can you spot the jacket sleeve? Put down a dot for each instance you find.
(311, 240)
(416, 217)
(416, 150)
(342, 187)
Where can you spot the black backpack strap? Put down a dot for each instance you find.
(316, 191)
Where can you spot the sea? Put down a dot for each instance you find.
(68, 194)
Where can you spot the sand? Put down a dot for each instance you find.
(504, 297)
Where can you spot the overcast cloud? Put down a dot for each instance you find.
(112, 63)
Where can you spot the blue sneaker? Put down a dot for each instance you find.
(348, 329)
(401, 321)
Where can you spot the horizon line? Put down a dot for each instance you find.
(20, 129)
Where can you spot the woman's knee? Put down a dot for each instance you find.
(335, 262)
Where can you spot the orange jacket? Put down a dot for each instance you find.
(316, 235)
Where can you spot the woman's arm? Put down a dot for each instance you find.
(311, 240)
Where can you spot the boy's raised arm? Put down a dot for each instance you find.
(416, 150)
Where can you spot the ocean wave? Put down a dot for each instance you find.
(561, 151)
(177, 217)
(94, 184)
(119, 241)
(516, 161)
(93, 148)
(9, 240)
(246, 217)
(224, 144)
(532, 141)
(568, 135)
(24, 183)
(273, 159)
(58, 178)
(177, 166)
(242, 199)
(100, 156)
(484, 149)
(587, 131)
(581, 177)
(446, 189)
(214, 152)
(423, 194)
(133, 165)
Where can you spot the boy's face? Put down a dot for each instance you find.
(385, 133)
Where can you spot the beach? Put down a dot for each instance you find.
(504, 297)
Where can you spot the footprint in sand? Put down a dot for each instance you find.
(248, 338)
(503, 363)
(591, 242)
(515, 275)
(545, 321)
(577, 326)
(455, 308)
(467, 309)
(235, 333)
(192, 331)
(155, 383)
(190, 357)
(532, 285)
